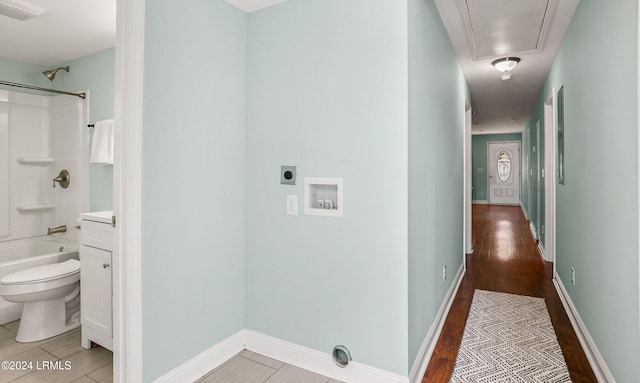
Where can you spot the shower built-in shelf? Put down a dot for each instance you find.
(35, 161)
(34, 207)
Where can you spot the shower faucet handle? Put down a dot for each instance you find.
(63, 179)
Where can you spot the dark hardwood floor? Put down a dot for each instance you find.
(505, 259)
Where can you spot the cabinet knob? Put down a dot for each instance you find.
(105, 265)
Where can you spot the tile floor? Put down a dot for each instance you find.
(86, 366)
(95, 365)
(249, 367)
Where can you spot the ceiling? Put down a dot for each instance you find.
(482, 31)
(248, 6)
(67, 30)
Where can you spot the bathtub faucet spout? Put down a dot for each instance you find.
(59, 229)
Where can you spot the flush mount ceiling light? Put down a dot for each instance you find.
(19, 10)
(506, 64)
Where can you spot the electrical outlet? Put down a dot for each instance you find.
(573, 276)
(292, 205)
(444, 273)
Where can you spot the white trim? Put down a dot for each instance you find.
(201, 364)
(497, 131)
(637, 109)
(467, 157)
(127, 204)
(541, 251)
(533, 230)
(421, 362)
(316, 361)
(284, 351)
(550, 131)
(598, 365)
(524, 211)
(480, 202)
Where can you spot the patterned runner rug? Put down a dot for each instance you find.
(509, 338)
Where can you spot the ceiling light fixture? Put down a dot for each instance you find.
(506, 64)
(19, 10)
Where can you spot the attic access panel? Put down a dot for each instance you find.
(506, 27)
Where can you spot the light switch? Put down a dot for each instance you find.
(292, 205)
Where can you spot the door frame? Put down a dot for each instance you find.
(539, 186)
(550, 149)
(127, 192)
(467, 147)
(519, 173)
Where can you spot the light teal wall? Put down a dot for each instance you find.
(327, 92)
(22, 73)
(437, 91)
(194, 180)
(597, 208)
(94, 73)
(479, 161)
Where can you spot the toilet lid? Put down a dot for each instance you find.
(42, 273)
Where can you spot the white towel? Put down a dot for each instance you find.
(102, 145)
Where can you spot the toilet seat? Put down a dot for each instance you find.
(43, 273)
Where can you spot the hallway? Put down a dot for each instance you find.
(505, 259)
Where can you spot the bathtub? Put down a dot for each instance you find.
(25, 253)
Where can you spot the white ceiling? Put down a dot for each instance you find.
(480, 31)
(70, 29)
(248, 6)
(67, 30)
(484, 30)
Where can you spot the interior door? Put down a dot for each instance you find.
(503, 164)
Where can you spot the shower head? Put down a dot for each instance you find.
(51, 74)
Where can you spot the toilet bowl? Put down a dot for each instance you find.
(48, 293)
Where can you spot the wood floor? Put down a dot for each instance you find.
(505, 259)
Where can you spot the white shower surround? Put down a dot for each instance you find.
(40, 136)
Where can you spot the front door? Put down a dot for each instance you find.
(503, 164)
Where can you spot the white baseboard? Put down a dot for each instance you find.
(310, 359)
(524, 211)
(290, 353)
(317, 361)
(431, 339)
(480, 202)
(533, 231)
(598, 365)
(541, 251)
(201, 364)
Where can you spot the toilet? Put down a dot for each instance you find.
(50, 294)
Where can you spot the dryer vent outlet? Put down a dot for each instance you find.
(341, 356)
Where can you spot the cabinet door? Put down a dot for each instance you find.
(95, 289)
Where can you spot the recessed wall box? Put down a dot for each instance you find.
(288, 175)
(323, 196)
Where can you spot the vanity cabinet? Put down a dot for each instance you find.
(96, 279)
